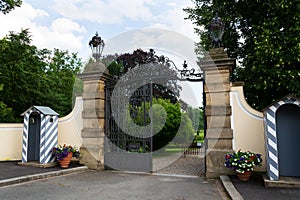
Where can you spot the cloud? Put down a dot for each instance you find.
(63, 25)
(105, 12)
(170, 42)
(62, 33)
(169, 15)
(20, 18)
(173, 19)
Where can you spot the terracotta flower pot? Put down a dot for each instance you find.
(64, 163)
(244, 176)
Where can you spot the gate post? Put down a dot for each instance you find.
(92, 150)
(217, 68)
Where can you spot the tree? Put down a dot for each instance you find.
(114, 68)
(178, 127)
(5, 112)
(20, 65)
(60, 75)
(119, 65)
(8, 5)
(197, 117)
(264, 36)
(185, 135)
(169, 123)
(30, 76)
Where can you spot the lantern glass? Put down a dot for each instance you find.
(97, 46)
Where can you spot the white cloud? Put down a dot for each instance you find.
(171, 16)
(20, 18)
(63, 25)
(168, 41)
(173, 19)
(62, 33)
(105, 12)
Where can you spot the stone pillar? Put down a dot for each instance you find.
(93, 114)
(217, 68)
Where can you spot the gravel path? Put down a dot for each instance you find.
(179, 165)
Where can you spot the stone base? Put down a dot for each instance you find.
(89, 159)
(215, 163)
(37, 164)
(287, 182)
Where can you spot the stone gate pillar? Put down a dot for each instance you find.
(217, 67)
(93, 114)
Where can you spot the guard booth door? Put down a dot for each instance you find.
(33, 152)
(288, 133)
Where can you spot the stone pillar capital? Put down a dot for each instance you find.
(217, 59)
(95, 71)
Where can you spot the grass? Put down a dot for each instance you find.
(167, 152)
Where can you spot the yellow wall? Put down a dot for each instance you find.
(247, 125)
(10, 141)
(69, 127)
(69, 132)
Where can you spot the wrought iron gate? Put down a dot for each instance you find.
(128, 141)
(128, 112)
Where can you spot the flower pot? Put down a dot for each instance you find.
(64, 163)
(244, 176)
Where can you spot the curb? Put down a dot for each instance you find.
(229, 187)
(175, 175)
(22, 179)
(156, 174)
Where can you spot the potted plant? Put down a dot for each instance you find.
(64, 154)
(243, 163)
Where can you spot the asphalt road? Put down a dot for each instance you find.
(113, 185)
(255, 189)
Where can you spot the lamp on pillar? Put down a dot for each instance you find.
(94, 77)
(97, 46)
(216, 29)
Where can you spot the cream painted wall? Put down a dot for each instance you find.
(10, 141)
(247, 125)
(69, 132)
(69, 127)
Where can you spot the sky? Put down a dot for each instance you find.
(124, 25)
(70, 24)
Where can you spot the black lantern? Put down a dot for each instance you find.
(216, 29)
(97, 46)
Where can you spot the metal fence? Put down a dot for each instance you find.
(193, 149)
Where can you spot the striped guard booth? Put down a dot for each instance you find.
(48, 133)
(271, 135)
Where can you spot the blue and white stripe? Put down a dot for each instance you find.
(48, 136)
(271, 136)
(25, 136)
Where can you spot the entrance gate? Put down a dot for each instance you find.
(128, 103)
(128, 146)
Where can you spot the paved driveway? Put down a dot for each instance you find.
(113, 185)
